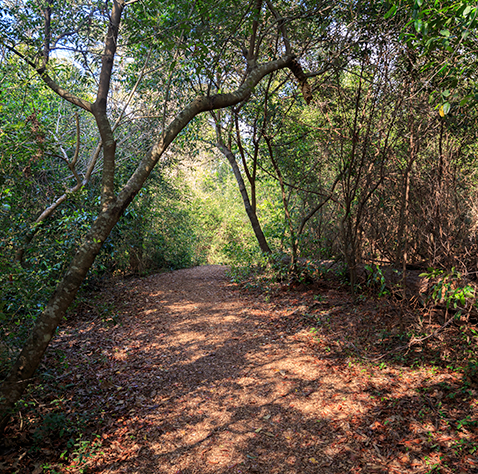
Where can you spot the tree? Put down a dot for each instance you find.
(444, 34)
(249, 206)
(34, 32)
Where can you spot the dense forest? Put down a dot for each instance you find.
(292, 141)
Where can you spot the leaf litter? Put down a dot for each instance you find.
(193, 374)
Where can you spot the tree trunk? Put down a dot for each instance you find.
(256, 226)
(285, 203)
(44, 329)
(17, 380)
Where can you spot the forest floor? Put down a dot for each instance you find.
(186, 372)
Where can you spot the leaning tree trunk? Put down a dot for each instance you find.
(113, 206)
(256, 226)
(37, 343)
(17, 380)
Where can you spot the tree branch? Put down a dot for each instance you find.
(99, 106)
(63, 93)
(251, 212)
(251, 56)
(197, 106)
(294, 67)
(46, 44)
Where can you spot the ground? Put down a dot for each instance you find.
(186, 372)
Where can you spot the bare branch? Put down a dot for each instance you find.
(294, 67)
(77, 149)
(68, 96)
(283, 29)
(251, 56)
(46, 44)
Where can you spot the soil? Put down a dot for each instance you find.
(185, 372)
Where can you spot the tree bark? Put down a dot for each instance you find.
(21, 373)
(256, 226)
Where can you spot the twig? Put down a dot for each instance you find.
(414, 341)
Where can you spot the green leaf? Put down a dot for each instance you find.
(391, 12)
(443, 68)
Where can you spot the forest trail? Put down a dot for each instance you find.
(221, 389)
(184, 373)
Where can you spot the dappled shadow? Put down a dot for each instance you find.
(193, 379)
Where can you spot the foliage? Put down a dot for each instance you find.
(376, 280)
(378, 166)
(171, 226)
(448, 288)
(444, 33)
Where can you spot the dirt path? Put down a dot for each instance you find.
(194, 376)
(226, 392)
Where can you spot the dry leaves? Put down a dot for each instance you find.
(200, 377)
